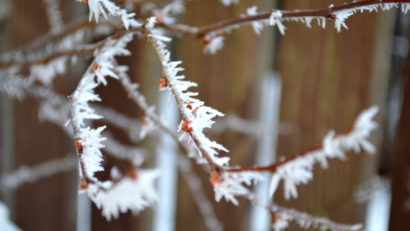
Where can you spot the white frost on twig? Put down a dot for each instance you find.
(282, 216)
(134, 192)
(306, 221)
(256, 25)
(321, 21)
(405, 7)
(12, 84)
(231, 184)
(276, 19)
(127, 194)
(341, 16)
(196, 116)
(213, 44)
(299, 170)
(91, 138)
(107, 7)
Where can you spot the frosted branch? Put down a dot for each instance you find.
(195, 116)
(26, 174)
(298, 170)
(275, 18)
(282, 216)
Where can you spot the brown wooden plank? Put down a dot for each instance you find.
(327, 81)
(46, 204)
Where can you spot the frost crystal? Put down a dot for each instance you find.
(405, 7)
(127, 194)
(106, 7)
(213, 45)
(340, 17)
(276, 19)
(231, 184)
(12, 83)
(299, 170)
(256, 25)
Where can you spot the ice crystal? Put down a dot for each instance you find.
(12, 84)
(134, 194)
(276, 19)
(340, 17)
(256, 25)
(405, 7)
(106, 8)
(213, 45)
(231, 184)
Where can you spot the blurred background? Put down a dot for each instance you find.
(281, 95)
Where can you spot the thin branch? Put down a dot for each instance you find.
(327, 12)
(312, 151)
(204, 205)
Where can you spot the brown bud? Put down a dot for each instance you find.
(186, 126)
(215, 178)
(162, 83)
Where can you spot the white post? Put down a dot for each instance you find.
(83, 212)
(270, 92)
(164, 215)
